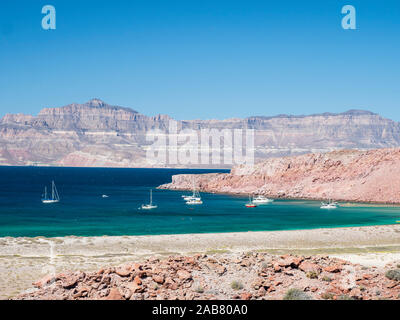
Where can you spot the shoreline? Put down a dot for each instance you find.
(25, 260)
(346, 202)
(72, 236)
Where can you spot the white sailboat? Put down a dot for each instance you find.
(194, 201)
(150, 205)
(329, 205)
(54, 194)
(194, 198)
(260, 199)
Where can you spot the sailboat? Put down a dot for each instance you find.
(54, 194)
(195, 201)
(329, 205)
(251, 203)
(260, 199)
(150, 205)
(194, 198)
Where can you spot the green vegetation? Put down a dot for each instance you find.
(326, 278)
(296, 294)
(345, 297)
(327, 296)
(236, 285)
(217, 251)
(199, 289)
(312, 275)
(393, 274)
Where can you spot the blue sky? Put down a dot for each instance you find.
(202, 59)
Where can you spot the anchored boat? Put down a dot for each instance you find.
(329, 205)
(259, 199)
(194, 201)
(194, 196)
(54, 194)
(150, 205)
(251, 203)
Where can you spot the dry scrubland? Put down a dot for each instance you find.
(26, 260)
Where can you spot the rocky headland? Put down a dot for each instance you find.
(346, 175)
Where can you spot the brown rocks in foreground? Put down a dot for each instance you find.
(227, 276)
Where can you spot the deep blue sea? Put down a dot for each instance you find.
(83, 212)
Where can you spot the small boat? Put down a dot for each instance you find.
(261, 199)
(194, 197)
(150, 205)
(104, 196)
(251, 203)
(329, 205)
(194, 201)
(54, 194)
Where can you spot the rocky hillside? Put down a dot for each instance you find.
(347, 175)
(98, 134)
(229, 276)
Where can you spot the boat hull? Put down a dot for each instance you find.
(263, 201)
(147, 207)
(50, 201)
(194, 202)
(250, 206)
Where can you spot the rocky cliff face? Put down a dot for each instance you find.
(98, 134)
(347, 175)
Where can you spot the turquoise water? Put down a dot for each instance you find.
(83, 212)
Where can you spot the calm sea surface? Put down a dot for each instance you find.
(83, 212)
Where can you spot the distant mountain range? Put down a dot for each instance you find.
(96, 134)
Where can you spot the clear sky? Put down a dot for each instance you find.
(202, 58)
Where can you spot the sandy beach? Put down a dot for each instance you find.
(24, 260)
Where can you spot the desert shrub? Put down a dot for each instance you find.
(326, 278)
(264, 265)
(312, 275)
(199, 289)
(236, 285)
(345, 297)
(296, 294)
(327, 296)
(393, 274)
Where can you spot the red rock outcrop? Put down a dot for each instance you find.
(347, 175)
